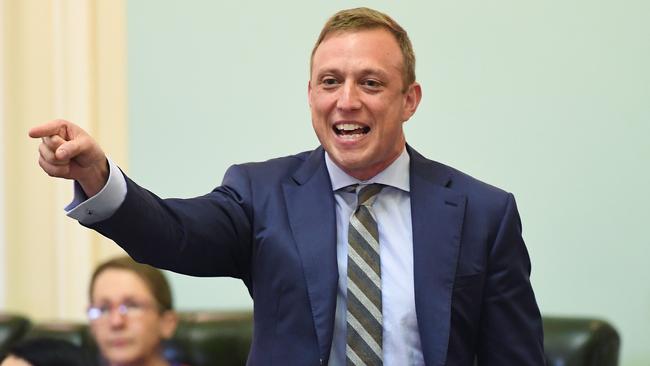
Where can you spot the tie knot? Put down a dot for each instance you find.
(368, 194)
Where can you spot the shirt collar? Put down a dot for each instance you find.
(395, 175)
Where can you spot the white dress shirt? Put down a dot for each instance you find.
(392, 208)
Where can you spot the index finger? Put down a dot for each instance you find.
(48, 129)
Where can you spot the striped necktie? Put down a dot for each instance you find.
(364, 317)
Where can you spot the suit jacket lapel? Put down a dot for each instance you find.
(437, 217)
(311, 210)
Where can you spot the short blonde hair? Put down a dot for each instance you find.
(356, 19)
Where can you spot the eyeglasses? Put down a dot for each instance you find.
(129, 309)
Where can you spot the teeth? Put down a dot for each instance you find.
(351, 136)
(348, 126)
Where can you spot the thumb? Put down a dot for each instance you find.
(68, 150)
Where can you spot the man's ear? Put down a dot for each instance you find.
(412, 98)
(168, 323)
(309, 92)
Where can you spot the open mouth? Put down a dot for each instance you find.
(350, 130)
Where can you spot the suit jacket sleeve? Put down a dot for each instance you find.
(510, 331)
(208, 235)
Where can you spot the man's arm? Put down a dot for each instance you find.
(209, 235)
(511, 327)
(203, 236)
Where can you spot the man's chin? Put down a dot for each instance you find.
(359, 169)
(347, 162)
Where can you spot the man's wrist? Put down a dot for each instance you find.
(96, 181)
(88, 210)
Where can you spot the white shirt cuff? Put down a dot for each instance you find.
(102, 205)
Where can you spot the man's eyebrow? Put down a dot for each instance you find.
(328, 71)
(363, 72)
(373, 71)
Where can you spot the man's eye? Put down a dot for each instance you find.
(371, 83)
(329, 81)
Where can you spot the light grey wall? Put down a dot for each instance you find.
(548, 99)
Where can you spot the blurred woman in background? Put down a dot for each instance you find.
(131, 313)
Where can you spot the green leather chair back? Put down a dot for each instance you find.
(76, 333)
(580, 342)
(12, 329)
(214, 338)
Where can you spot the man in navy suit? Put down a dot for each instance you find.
(454, 281)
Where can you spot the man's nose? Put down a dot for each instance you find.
(349, 98)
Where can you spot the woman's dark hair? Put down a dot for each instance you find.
(49, 352)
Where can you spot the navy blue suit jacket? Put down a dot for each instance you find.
(272, 224)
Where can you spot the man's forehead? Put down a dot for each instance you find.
(361, 48)
(353, 31)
